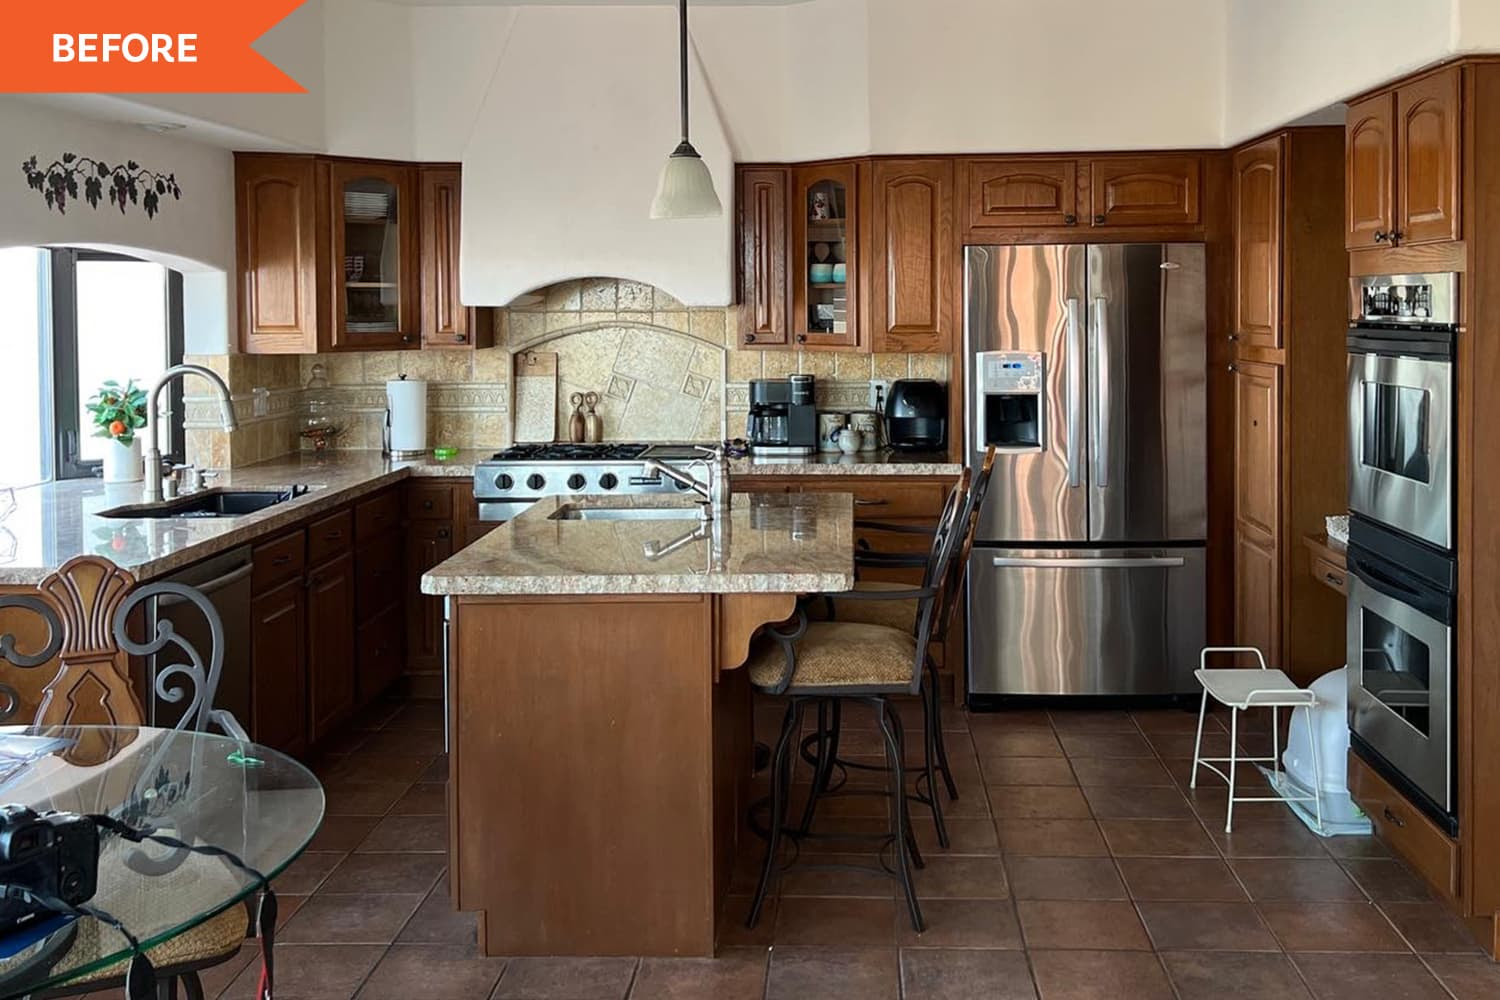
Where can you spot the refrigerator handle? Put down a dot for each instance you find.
(1074, 394)
(1089, 562)
(1099, 413)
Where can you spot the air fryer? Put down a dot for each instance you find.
(916, 415)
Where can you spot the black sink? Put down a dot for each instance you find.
(210, 503)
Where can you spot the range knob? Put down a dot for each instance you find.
(576, 482)
(608, 481)
(504, 482)
(535, 481)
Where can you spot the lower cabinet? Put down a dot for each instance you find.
(378, 652)
(278, 667)
(1257, 595)
(427, 544)
(330, 645)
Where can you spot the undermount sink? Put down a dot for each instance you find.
(208, 503)
(576, 512)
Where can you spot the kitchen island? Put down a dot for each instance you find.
(599, 731)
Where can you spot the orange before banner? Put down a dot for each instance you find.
(165, 47)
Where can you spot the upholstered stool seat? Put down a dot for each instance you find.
(891, 614)
(840, 654)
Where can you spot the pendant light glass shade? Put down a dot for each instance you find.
(686, 188)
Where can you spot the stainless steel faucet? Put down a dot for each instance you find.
(152, 492)
(715, 492)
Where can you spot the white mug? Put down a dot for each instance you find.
(829, 425)
(868, 425)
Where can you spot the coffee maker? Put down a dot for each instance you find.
(783, 420)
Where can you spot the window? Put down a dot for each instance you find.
(80, 318)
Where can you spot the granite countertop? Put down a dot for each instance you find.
(768, 543)
(883, 462)
(54, 522)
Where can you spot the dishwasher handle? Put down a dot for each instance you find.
(1089, 562)
(209, 587)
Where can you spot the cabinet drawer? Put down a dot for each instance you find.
(429, 501)
(1331, 574)
(278, 561)
(377, 575)
(379, 513)
(1404, 828)
(328, 536)
(886, 499)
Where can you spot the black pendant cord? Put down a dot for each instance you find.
(683, 64)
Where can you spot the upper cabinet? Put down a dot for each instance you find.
(373, 215)
(1257, 243)
(1143, 191)
(349, 255)
(760, 198)
(1008, 199)
(1402, 163)
(914, 259)
(825, 255)
(446, 322)
(1020, 192)
(276, 213)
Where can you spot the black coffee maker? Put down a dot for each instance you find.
(783, 420)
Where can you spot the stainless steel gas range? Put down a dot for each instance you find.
(513, 479)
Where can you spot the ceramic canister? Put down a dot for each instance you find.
(829, 425)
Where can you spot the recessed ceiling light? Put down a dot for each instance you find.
(161, 126)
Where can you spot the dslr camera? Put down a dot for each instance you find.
(52, 854)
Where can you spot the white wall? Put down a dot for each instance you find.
(560, 168)
(194, 235)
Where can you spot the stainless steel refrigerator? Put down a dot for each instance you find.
(1085, 366)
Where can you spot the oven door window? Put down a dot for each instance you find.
(1396, 431)
(1396, 670)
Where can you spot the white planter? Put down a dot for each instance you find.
(122, 463)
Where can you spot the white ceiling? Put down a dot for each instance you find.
(591, 3)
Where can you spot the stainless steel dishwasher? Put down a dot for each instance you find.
(225, 580)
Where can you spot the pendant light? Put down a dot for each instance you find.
(686, 189)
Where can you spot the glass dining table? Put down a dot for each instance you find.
(204, 789)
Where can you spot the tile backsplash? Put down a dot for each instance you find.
(663, 372)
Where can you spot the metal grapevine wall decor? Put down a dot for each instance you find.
(128, 182)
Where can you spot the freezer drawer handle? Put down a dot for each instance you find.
(1075, 394)
(1100, 412)
(1090, 562)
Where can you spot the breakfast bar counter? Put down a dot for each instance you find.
(599, 729)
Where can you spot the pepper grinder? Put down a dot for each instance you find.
(577, 429)
(593, 423)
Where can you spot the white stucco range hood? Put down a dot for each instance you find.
(563, 160)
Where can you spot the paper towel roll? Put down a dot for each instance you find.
(407, 403)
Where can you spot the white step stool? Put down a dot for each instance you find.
(1240, 690)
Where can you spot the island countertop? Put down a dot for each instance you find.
(767, 543)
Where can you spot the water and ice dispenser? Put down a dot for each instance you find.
(1012, 400)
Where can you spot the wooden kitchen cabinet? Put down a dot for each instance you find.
(1144, 191)
(760, 197)
(278, 666)
(1257, 507)
(427, 544)
(825, 210)
(1404, 163)
(446, 322)
(1257, 180)
(913, 272)
(278, 255)
(1018, 192)
(1428, 162)
(379, 653)
(373, 273)
(330, 645)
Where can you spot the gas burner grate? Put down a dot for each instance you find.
(570, 453)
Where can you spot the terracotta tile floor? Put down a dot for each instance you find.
(1082, 869)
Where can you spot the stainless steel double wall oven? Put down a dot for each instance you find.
(1402, 565)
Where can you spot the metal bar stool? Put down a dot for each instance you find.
(1240, 690)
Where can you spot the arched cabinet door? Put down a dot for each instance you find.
(276, 228)
(1369, 146)
(761, 195)
(913, 263)
(1142, 191)
(1019, 193)
(825, 255)
(1257, 244)
(1427, 159)
(376, 299)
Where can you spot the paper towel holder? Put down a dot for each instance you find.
(388, 433)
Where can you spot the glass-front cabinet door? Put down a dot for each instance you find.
(824, 210)
(375, 297)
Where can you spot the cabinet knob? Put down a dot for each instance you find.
(801, 338)
(1098, 220)
(406, 338)
(442, 533)
(1396, 235)
(1233, 367)
(462, 338)
(1381, 236)
(1070, 219)
(749, 338)
(1234, 336)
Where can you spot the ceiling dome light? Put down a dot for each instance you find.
(686, 188)
(159, 127)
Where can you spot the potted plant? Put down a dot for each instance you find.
(118, 413)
